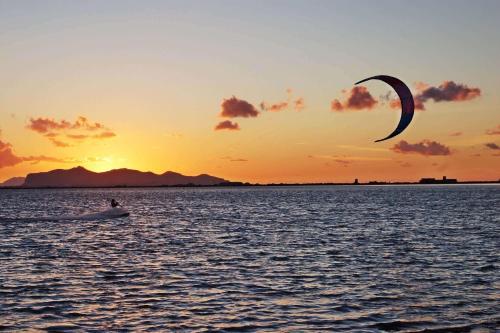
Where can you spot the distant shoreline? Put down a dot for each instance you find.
(238, 184)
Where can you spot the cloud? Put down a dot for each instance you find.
(299, 104)
(492, 145)
(274, 107)
(77, 136)
(456, 134)
(51, 129)
(43, 158)
(358, 98)
(396, 104)
(234, 107)
(448, 91)
(342, 162)
(231, 159)
(43, 125)
(83, 123)
(59, 143)
(425, 147)
(227, 125)
(493, 131)
(104, 135)
(9, 158)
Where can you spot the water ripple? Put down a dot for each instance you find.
(353, 259)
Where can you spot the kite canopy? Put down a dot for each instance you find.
(406, 98)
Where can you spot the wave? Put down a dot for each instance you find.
(104, 215)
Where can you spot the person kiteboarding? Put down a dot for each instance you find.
(114, 203)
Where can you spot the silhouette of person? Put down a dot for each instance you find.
(114, 203)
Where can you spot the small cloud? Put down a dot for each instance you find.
(492, 145)
(274, 107)
(396, 104)
(227, 125)
(358, 98)
(425, 147)
(231, 159)
(77, 136)
(404, 164)
(104, 135)
(59, 143)
(456, 134)
(493, 131)
(234, 107)
(299, 104)
(342, 162)
(387, 97)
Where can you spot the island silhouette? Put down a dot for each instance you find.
(81, 177)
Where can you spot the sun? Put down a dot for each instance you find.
(101, 164)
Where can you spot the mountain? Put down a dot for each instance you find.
(81, 177)
(13, 182)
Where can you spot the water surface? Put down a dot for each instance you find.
(324, 258)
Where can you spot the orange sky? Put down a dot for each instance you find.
(153, 83)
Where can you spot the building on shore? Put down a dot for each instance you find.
(438, 181)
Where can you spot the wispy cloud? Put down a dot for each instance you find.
(232, 159)
(53, 129)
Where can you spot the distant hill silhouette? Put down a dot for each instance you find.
(13, 182)
(81, 177)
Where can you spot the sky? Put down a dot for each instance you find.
(257, 91)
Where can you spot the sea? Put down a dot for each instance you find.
(406, 258)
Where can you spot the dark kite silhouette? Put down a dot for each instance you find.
(406, 98)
